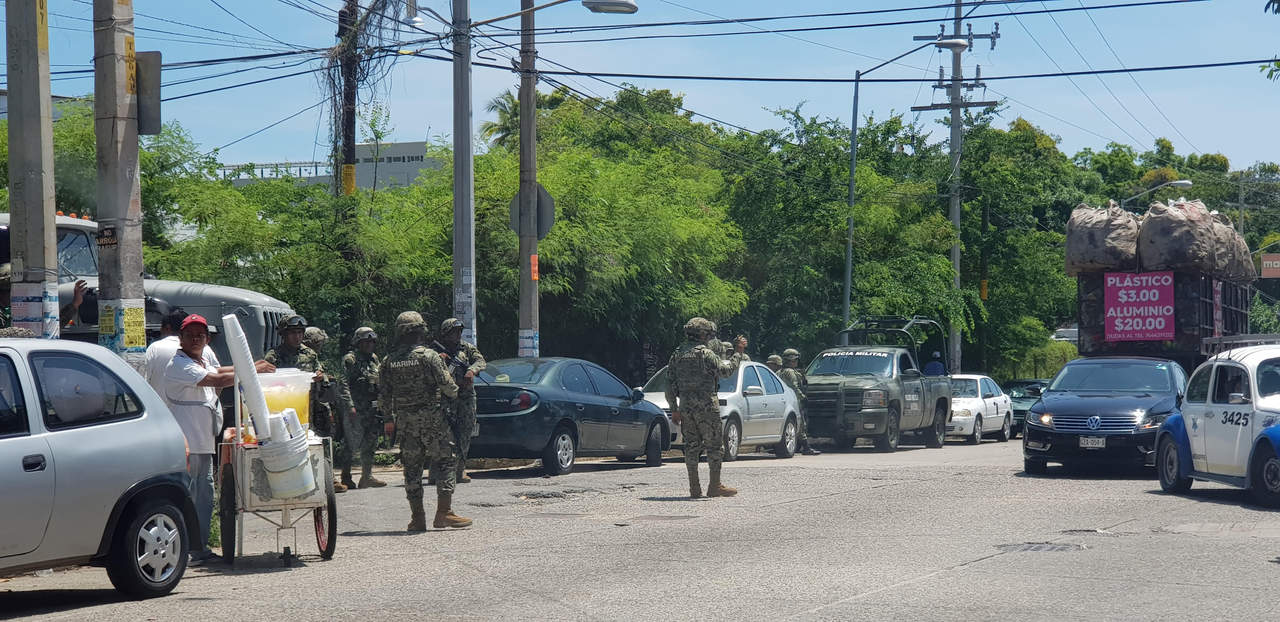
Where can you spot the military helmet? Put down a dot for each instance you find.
(291, 321)
(314, 337)
(450, 324)
(698, 326)
(408, 322)
(791, 353)
(363, 333)
(774, 359)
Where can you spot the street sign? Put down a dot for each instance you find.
(1271, 266)
(546, 212)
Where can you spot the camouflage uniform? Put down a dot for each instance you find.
(692, 376)
(461, 411)
(411, 381)
(794, 378)
(359, 395)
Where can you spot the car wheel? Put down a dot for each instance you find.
(560, 453)
(1005, 433)
(1031, 466)
(732, 440)
(149, 554)
(1167, 464)
(976, 437)
(889, 440)
(227, 514)
(787, 446)
(936, 436)
(1264, 477)
(653, 446)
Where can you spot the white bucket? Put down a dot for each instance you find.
(288, 466)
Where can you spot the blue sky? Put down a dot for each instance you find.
(1231, 111)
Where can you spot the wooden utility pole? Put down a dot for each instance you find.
(33, 290)
(121, 302)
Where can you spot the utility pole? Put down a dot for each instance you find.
(528, 335)
(121, 302)
(349, 64)
(464, 207)
(33, 293)
(956, 106)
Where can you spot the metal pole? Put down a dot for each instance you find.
(33, 294)
(853, 170)
(957, 135)
(121, 306)
(464, 208)
(528, 336)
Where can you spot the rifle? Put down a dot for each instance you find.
(457, 368)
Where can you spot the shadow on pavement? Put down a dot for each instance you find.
(362, 534)
(1100, 472)
(263, 563)
(685, 499)
(43, 602)
(1233, 497)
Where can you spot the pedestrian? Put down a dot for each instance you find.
(774, 363)
(692, 377)
(191, 383)
(935, 367)
(161, 351)
(464, 362)
(359, 404)
(315, 338)
(794, 378)
(411, 381)
(292, 353)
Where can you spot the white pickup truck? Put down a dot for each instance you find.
(1228, 430)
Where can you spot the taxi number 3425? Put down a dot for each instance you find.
(1235, 418)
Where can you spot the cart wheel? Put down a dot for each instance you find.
(227, 514)
(326, 520)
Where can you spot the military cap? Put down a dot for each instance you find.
(291, 321)
(450, 324)
(774, 359)
(791, 353)
(363, 333)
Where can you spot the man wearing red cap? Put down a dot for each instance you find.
(191, 383)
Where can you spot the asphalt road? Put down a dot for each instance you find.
(952, 534)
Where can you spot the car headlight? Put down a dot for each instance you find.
(874, 398)
(1040, 419)
(1151, 421)
(963, 412)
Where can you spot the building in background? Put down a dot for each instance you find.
(378, 166)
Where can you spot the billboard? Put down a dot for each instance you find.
(1271, 266)
(1139, 306)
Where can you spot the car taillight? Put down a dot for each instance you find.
(522, 401)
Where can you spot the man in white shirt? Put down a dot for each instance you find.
(191, 383)
(161, 351)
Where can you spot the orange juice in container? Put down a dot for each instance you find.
(288, 388)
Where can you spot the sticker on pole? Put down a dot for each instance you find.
(1139, 306)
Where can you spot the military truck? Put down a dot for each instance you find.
(873, 385)
(78, 260)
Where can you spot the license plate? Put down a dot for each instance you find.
(1093, 442)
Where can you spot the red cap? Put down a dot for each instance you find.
(194, 319)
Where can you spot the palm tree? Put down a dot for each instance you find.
(505, 132)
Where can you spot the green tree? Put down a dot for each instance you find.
(505, 131)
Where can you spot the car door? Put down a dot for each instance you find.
(774, 388)
(626, 430)
(585, 406)
(755, 422)
(992, 406)
(1227, 424)
(1195, 410)
(26, 468)
(912, 393)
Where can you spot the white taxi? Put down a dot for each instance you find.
(1227, 430)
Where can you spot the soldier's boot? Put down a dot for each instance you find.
(695, 487)
(367, 480)
(716, 489)
(444, 513)
(418, 516)
(347, 482)
(340, 487)
(808, 450)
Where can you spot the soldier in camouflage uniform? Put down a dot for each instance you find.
(692, 376)
(774, 363)
(411, 382)
(465, 362)
(795, 379)
(359, 404)
(293, 353)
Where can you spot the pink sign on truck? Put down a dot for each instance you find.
(1139, 306)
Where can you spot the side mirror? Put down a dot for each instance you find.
(753, 391)
(1034, 391)
(1237, 398)
(911, 373)
(637, 394)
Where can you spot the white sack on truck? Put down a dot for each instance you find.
(1101, 239)
(1179, 236)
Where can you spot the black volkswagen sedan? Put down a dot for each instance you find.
(558, 409)
(1102, 409)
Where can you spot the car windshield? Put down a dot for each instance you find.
(964, 388)
(1020, 390)
(658, 383)
(516, 371)
(1269, 378)
(77, 254)
(850, 363)
(1115, 376)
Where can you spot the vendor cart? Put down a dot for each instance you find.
(246, 490)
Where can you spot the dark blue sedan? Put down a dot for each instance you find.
(558, 409)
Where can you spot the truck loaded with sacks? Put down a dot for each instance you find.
(1160, 283)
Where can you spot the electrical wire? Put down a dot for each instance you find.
(251, 26)
(181, 23)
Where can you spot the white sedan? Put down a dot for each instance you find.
(978, 408)
(756, 407)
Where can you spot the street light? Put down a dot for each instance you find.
(946, 44)
(1181, 183)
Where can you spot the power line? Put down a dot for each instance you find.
(194, 38)
(177, 23)
(251, 26)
